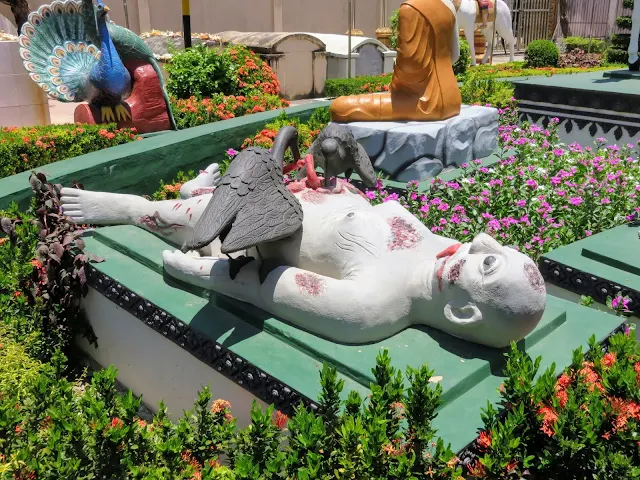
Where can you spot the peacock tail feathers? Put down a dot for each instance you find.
(56, 51)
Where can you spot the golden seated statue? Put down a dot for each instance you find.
(423, 87)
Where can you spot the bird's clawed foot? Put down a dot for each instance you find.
(106, 114)
(122, 113)
(266, 267)
(235, 264)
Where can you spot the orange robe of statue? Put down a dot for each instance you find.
(423, 86)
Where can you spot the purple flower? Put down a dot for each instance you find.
(588, 233)
(393, 196)
(371, 195)
(521, 203)
(576, 201)
(231, 152)
(532, 183)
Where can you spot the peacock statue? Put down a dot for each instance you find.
(75, 53)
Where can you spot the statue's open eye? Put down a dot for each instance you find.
(490, 264)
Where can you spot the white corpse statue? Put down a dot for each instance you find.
(634, 61)
(322, 257)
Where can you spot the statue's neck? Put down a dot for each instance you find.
(421, 288)
(106, 45)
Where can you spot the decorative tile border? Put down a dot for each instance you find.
(215, 355)
(583, 283)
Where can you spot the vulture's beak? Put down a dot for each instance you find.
(106, 9)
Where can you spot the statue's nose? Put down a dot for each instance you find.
(484, 243)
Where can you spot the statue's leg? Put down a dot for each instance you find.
(468, 34)
(344, 310)
(171, 219)
(488, 36)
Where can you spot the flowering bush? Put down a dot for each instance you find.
(203, 72)
(193, 111)
(543, 196)
(582, 424)
(22, 149)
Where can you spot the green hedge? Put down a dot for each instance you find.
(624, 23)
(22, 149)
(616, 55)
(594, 45)
(542, 53)
(627, 3)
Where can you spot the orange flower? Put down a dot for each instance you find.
(549, 417)
(116, 423)
(477, 469)
(36, 263)
(484, 440)
(609, 359)
(281, 420)
(219, 406)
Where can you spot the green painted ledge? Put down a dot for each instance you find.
(138, 167)
(610, 257)
(470, 373)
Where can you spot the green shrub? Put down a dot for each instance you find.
(194, 111)
(627, 3)
(203, 72)
(24, 148)
(615, 56)
(393, 23)
(463, 63)
(623, 23)
(593, 45)
(480, 89)
(542, 53)
(337, 87)
(620, 40)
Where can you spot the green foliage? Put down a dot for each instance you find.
(542, 53)
(620, 40)
(593, 45)
(393, 23)
(582, 424)
(171, 190)
(627, 3)
(482, 90)
(24, 148)
(624, 23)
(336, 87)
(616, 56)
(203, 72)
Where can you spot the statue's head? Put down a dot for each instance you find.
(102, 9)
(489, 294)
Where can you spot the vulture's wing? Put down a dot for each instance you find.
(363, 167)
(271, 212)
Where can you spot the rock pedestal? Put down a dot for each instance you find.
(419, 150)
(146, 103)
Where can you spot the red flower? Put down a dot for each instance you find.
(16, 294)
(564, 381)
(18, 429)
(36, 263)
(609, 359)
(219, 406)
(116, 423)
(477, 469)
(511, 466)
(549, 417)
(484, 440)
(281, 420)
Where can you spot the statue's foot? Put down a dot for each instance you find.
(266, 267)
(196, 271)
(635, 66)
(106, 114)
(203, 183)
(86, 207)
(122, 114)
(235, 264)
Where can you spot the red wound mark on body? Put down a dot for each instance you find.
(188, 209)
(202, 191)
(312, 196)
(534, 277)
(156, 223)
(455, 271)
(310, 284)
(199, 201)
(404, 236)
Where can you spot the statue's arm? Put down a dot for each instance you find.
(349, 311)
(414, 52)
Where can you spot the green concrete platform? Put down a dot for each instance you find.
(469, 374)
(589, 105)
(626, 73)
(598, 266)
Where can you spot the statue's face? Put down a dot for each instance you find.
(491, 293)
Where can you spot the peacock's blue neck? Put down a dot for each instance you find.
(107, 47)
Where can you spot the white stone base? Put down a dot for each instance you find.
(419, 150)
(154, 367)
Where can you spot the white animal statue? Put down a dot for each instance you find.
(467, 14)
(634, 61)
(354, 273)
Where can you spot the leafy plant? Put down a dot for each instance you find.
(591, 45)
(616, 56)
(578, 58)
(203, 72)
(480, 89)
(624, 23)
(542, 53)
(24, 148)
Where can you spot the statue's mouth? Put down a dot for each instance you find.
(446, 254)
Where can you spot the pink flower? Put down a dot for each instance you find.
(576, 201)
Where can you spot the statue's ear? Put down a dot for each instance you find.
(462, 313)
